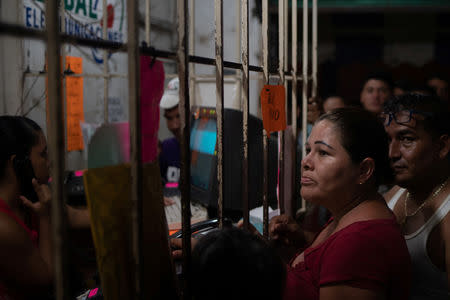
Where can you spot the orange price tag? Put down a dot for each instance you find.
(273, 107)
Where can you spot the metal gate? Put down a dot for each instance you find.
(55, 39)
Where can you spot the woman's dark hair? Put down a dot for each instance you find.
(363, 136)
(235, 264)
(18, 136)
(436, 111)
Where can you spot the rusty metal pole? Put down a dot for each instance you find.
(245, 111)
(219, 104)
(314, 49)
(184, 107)
(305, 83)
(265, 39)
(105, 63)
(135, 144)
(147, 22)
(295, 183)
(192, 77)
(57, 149)
(281, 58)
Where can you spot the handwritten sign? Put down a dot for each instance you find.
(273, 107)
(74, 104)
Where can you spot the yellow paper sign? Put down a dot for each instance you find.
(273, 107)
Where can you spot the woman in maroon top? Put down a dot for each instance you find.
(360, 253)
(26, 261)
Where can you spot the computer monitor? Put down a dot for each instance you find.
(203, 144)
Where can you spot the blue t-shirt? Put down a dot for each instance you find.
(169, 160)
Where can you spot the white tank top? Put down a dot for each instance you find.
(428, 281)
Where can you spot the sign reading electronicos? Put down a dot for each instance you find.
(82, 18)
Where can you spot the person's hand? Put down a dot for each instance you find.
(168, 201)
(285, 230)
(41, 207)
(251, 228)
(177, 245)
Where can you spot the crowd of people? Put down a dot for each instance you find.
(380, 171)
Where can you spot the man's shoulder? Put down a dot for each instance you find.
(390, 193)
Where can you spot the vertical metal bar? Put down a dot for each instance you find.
(192, 78)
(105, 63)
(245, 110)
(265, 39)
(219, 104)
(63, 78)
(281, 58)
(314, 48)
(238, 50)
(294, 69)
(294, 189)
(184, 106)
(147, 22)
(305, 82)
(57, 149)
(135, 143)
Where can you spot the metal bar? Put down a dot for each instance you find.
(147, 22)
(63, 79)
(314, 48)
(192, 77)
(84, 75)
(135, 144)
(305, 82)
(265, 39)
(294, 68)
(105, 62)
(57, 151)
(219, 104)
(245, 110)
(183, 71)
(20, 31)
(238, 72)
(281, 58)
(294, 55)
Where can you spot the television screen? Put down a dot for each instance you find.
(203, 146)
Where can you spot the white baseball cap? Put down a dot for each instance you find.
(171, 95)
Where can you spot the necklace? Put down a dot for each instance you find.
(433, 195)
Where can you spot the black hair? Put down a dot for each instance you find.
(423, 90)
(18, 135)
(382, 76)
(437, 119)
(235, 264)
(436, 75)
(403, 84)
(362, 135)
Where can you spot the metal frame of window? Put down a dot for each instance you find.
(55, 42)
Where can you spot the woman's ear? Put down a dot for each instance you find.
(444, 146)
(366, 170)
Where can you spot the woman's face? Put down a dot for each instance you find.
(328, 172)
(39, 160)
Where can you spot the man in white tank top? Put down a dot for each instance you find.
(418, 130)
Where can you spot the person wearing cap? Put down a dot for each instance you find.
(169, 157)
